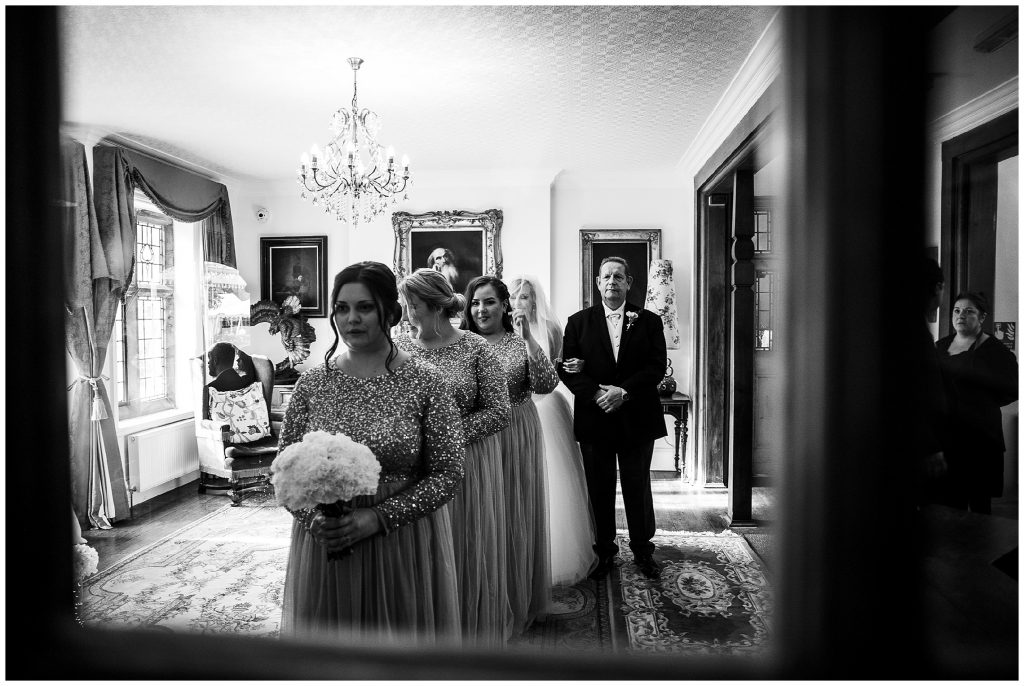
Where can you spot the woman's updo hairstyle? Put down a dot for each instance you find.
(502, 292)
(380, 281)
(434, 290)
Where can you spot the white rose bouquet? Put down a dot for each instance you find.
(324, 471)
(86, 561)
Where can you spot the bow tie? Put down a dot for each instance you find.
(614, 316)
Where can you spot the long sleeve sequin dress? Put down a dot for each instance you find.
(401, 584)
(526, 498)
(477, 384)
(570, 518)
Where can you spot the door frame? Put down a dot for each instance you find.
(723, 352)
(963, 157)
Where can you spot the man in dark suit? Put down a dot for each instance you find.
(614, 356)
(220, 363)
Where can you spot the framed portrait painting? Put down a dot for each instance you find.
(460, 244)
(637, 246)
(295, 265)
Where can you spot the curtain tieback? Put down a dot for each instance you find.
(98, 410)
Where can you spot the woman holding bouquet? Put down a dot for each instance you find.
(396, 572)
(476, 381)
(522, 444)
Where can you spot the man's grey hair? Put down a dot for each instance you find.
(620, 260)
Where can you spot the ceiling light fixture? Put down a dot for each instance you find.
(338, 180)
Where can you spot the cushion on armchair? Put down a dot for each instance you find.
(244, 411)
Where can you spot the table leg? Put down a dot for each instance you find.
(678, 426)
(685, 430)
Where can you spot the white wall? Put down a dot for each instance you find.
(523, 197)
(637, 200)
(543, 215)
(1006, 292)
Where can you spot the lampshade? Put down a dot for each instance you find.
(661, 299)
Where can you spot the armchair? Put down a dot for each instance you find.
(246, 466)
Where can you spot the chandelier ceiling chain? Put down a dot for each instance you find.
(338, 180)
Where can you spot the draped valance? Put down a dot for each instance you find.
(180, 194)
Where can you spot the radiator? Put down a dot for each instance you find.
(160, 455)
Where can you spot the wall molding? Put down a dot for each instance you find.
(752, 79)
(987, 106)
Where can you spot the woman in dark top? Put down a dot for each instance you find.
(980, 376)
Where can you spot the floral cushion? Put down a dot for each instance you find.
(244, 411)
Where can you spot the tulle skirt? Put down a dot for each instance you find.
(401, 586)
(478, 528)
(526, 505)
(570, 518)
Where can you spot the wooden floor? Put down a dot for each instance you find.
(678, 507)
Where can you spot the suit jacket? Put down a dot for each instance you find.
(639, 369)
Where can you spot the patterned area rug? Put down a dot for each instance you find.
(225, 573)
(712, 599)
(221, 574)
(581, 619)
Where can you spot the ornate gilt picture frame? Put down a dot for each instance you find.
(459, 243)
(636, 246)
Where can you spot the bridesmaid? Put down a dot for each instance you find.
(570, 519)
(399, 581)
(477, 383)
(522, 444)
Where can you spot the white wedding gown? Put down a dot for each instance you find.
(570, 521)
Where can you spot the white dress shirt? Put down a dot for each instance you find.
(613, 318)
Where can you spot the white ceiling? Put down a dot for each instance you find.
(242, 91)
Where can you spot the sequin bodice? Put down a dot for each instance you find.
(405, 418)
(526, 374)
(476, 381)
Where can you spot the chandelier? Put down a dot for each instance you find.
(355, 178)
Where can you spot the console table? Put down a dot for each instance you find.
(677, 405)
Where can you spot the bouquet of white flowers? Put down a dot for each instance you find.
(86, 561)
(324, 471)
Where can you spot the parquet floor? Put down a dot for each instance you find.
(678, 507)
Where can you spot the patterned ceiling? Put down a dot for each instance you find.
(242, 91)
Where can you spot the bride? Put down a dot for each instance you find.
(570, 520)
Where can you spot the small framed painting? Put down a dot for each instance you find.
(295, 266)
(637, 246)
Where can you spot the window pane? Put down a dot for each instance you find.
(120, 368)
(763, 296)
(152, 348)
(762, 231)
(149, 253)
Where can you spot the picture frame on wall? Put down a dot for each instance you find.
(637, 246)
(295, 265)
(460, 244)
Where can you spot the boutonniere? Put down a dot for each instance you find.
(630, 318)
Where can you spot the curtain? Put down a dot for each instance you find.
(188, 198)
(98, 260)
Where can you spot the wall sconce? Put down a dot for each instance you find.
(661, 300)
